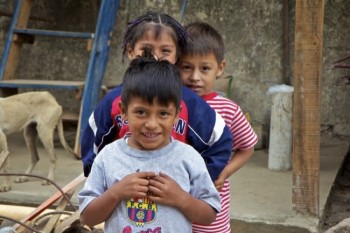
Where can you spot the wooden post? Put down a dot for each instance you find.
(306, 108)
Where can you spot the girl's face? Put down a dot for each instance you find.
(150, 124)
(163, 47)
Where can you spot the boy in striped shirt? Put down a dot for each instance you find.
(201, 63)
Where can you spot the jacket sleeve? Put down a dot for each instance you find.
(217, 155)
(100, 131)
(207, 133)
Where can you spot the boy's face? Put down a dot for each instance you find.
(150, 124)
(163, 47)
(199, 72)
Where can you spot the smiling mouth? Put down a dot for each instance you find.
(150, 135)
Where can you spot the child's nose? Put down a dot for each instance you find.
(195, 76)
(151, 123)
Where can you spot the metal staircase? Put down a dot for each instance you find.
(89, 89)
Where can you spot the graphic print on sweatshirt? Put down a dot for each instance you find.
(141, 211)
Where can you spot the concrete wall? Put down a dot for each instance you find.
(253, 33)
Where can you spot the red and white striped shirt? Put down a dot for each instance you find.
(244, 138)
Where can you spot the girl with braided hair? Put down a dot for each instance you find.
(155, 25)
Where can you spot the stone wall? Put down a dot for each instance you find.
(252, 31)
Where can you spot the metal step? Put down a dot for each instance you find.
(42, 84)
(37, 32)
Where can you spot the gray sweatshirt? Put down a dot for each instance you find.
(178, 160)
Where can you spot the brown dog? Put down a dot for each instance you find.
(37, 114)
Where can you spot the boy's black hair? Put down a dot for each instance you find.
(148, 78)
(205, 39)
(157, 21)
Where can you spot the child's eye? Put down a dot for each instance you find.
(140, 112)
(164, 114)
(166, 51)
(186, 67)
(206, 68)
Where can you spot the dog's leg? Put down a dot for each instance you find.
(5, 184)
(30, 136)
(46, 133)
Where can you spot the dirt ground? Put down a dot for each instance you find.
(338, 206)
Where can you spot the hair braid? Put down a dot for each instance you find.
(136, 25)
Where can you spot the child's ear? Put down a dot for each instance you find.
(177, 115)
(221, 69)
(130, 52)
(123, 111)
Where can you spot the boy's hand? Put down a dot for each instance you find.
(219, 182)
(134, 185)
(165, 190)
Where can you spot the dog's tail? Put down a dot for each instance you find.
(63, 140)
